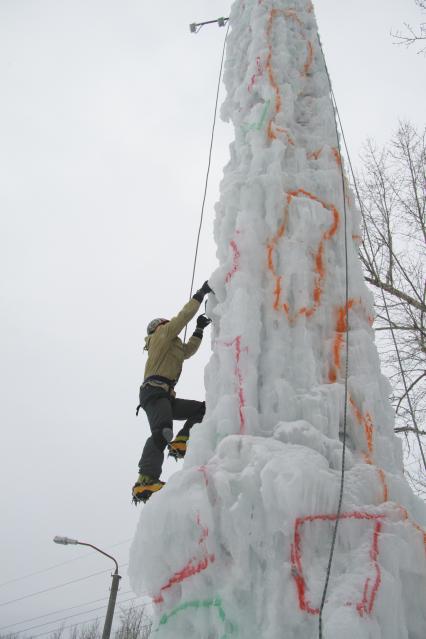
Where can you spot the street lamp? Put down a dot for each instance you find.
(114, 587)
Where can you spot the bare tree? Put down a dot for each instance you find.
(411, 35)
(135, 624)
(393, 194)
(89, 631)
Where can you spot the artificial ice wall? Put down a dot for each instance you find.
(237, 543)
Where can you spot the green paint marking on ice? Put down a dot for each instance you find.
(200, 605)
(257, 125)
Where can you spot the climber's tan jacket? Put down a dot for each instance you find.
(166, 351)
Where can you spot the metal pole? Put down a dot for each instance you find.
(111, 605)
(115, 581)
(112, 594)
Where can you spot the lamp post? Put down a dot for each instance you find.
(114, 587)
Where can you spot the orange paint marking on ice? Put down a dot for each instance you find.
(285, 131)
(382, 476)
(308, 64)
(413, 523)
(336, 155)
(337, 349)
(366, 422)
(318, 258)
(278, 101)
(341, 329)
(291, 14)
(314, 155)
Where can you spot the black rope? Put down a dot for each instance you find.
(416, 428)
(208, 167)
(345, 413)
(407, 390)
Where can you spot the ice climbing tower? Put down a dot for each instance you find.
(238, 542)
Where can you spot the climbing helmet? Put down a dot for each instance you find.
(155, 323)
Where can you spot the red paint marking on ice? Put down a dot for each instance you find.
(193, 567)
(204, 530)
(240, 381)
(367, 604)
(203, 471)
(241, 397)
(235, 260)
(319, 269)
(370, 589)
(258, 74)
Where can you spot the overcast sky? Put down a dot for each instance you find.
(105, 118)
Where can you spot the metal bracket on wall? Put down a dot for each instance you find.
(196, 26)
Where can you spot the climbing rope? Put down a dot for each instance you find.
(208, 167)
(345, 412)
(401, 368)
(338, 125)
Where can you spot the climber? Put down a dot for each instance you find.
(166, 353)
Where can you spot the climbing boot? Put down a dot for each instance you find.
(144, 488)
(177, 448)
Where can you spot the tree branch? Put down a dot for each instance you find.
(410, 388)
(408, 429)
(397, 293)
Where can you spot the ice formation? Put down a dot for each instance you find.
(237, 543)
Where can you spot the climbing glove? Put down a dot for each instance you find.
(202, 292)
(203, 321)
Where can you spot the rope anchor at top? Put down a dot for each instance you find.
(194, 27)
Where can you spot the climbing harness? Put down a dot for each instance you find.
(159, 381)
(208, 166)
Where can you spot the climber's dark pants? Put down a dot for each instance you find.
(161, 410)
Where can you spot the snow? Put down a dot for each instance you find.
(237, 543)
